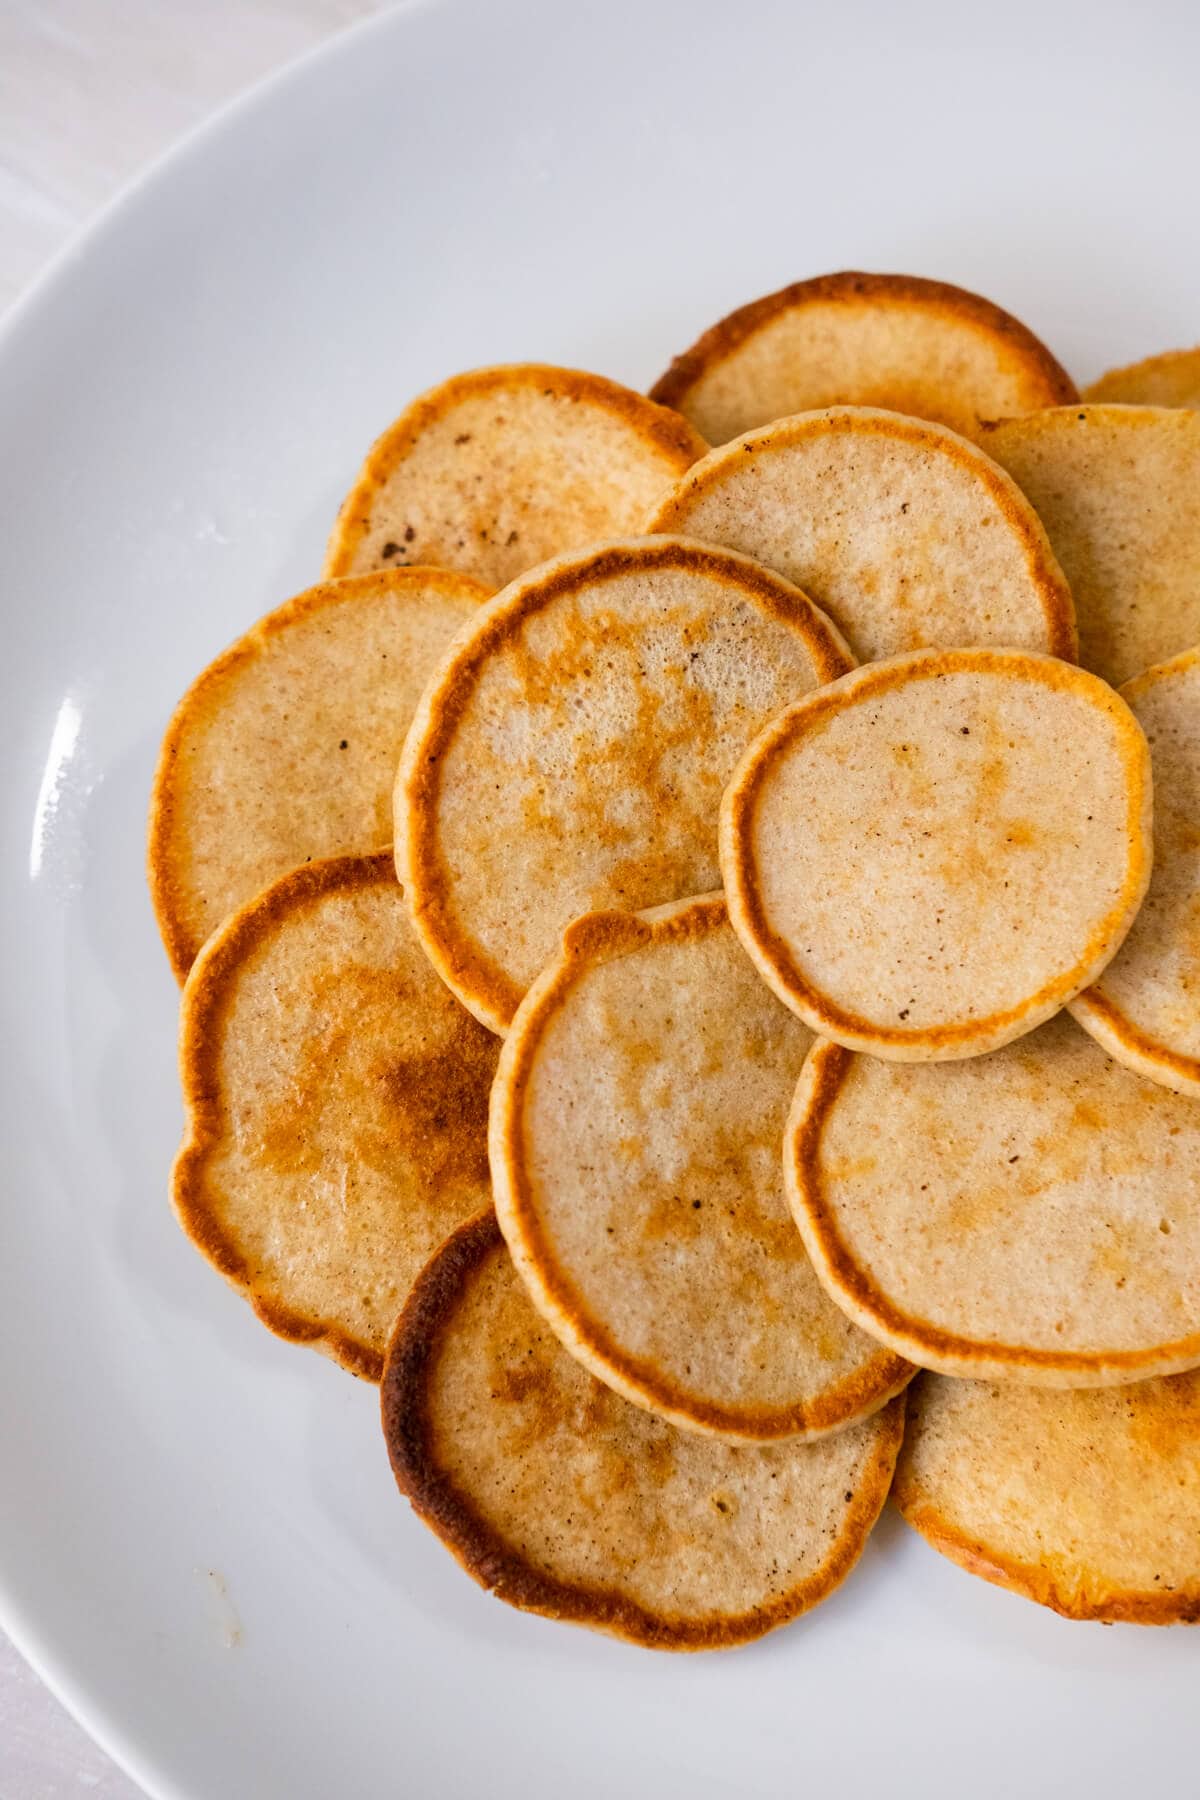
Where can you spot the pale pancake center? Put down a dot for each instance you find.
(947, 849)
(1040, 1199)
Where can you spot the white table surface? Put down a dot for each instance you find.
(91, 91)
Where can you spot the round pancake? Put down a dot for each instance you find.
(903, 532)
(934, 854)
(562, 1499)
(285, 748)
(1145, 1009)
(1118, 490)
(896, 341)
(1087, 1502)
(1172, 379)
(498, 469)
(336, 1102)
(636, 1119)
(1032, 1215)
(569, 753)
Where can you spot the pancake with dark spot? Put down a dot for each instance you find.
(563, 1499)
(284, 749)
(336, 1101)
(931, 855)
(498, 469)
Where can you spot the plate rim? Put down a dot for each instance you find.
(50, 1662)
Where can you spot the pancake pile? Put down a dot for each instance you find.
(691, 966)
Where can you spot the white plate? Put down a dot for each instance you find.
(181, 406)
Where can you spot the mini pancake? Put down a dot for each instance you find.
(896, 341)
(1172, 379)
(498, 469)
(336, 1102)
(285, 748)
(904, 533)
(562, 1499)
(1118, 490)
(934, 854)
(1088, 1502)
(1031, 1216)
(636, 1119)
(1145, 1009)
(569, 752)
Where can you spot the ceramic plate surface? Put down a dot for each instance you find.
(200, 1543)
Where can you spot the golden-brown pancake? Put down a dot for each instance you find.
(1087, 1502)
(935, 853)
(569, 752)
(1118, 490)
(1171, 379)
(336, 1101)
(285, 748)
(498, 469)
(1030, 1216)
(903, 532)
(896, 341)
(636, 1119)
(1145, 1008)
(563, 1499)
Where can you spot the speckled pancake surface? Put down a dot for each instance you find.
(896, 341)
(1087, 1502)
(336, 1102)
(935, 853)
(285, 748)
(569, 753)
(1032, 1215)
(903, 532)
(1145, 1008)
(636, 1120)
(498, 469)
(1118, 490)
(1171, 379)
(563, 1499)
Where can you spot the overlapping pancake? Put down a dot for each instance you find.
(1030, 1216)
(636, 1119)
(935, 853)
(569, 753)
(904, 533)
(1171, 379)
(500, 468)
(563, 1499)
(897, 341)
(285, 748)
(1086, 1502)
(1118, 490)
(336, 1101)
(1145, 1008)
